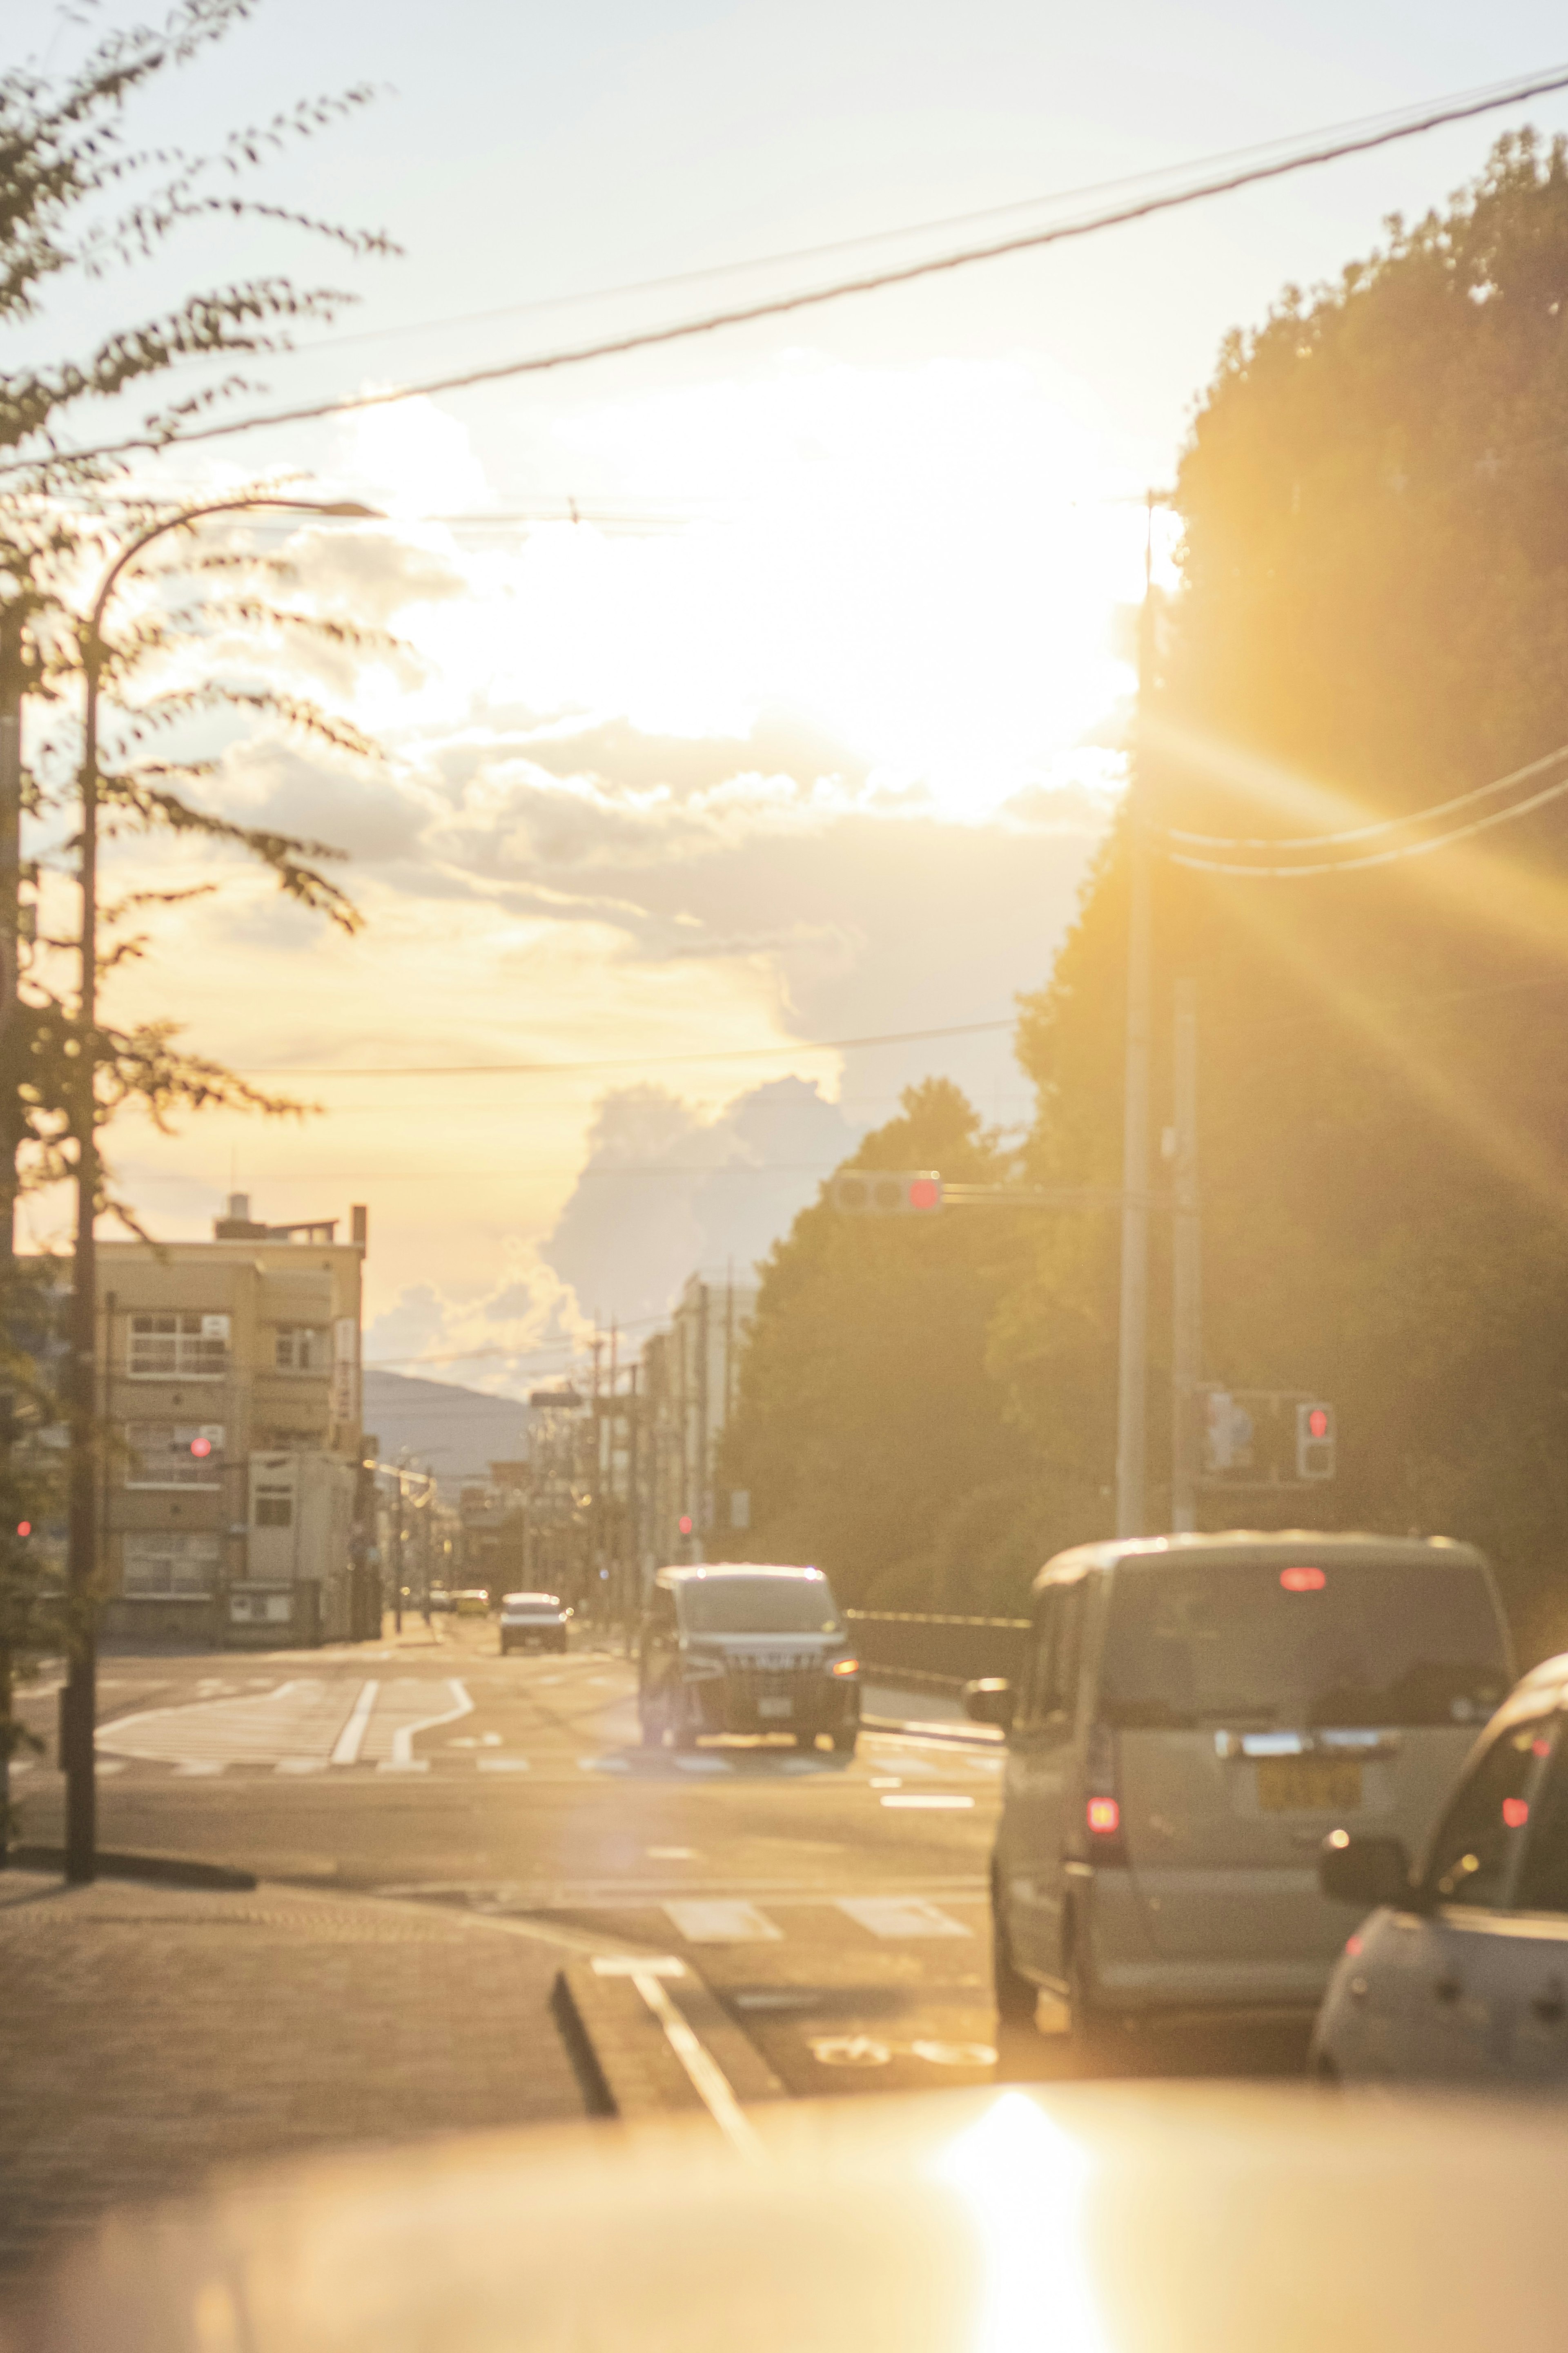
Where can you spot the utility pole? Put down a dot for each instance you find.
(11, 681)
(596, 1499)
(633, 1597)
(1186, 1269)
(1132, 1368)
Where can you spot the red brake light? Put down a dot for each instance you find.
(1515, 1812)
(1352, 1945)
(201, 1448)
(24, 1527)
(1304, 1579)
(1103, 1816)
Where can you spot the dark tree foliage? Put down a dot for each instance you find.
(866, 1417)
(1374, 618)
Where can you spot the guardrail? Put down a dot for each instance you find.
(941, 1653)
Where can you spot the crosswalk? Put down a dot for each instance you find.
(308, 1723)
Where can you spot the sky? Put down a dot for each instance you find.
(762, 690)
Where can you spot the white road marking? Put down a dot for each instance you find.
(603, 1765)
(955, 2054)
(723, 1922)
(886, 1781)
(709, 2080)
(672, 1854)
(849, 2051)
(301, 1764)
(947, 1803)
(403, 1765)
(703, 1765)
(351, 1739)
(109, 1765)
(403, 1738)
(502, 1764)
(197, 1768)
(899, 1915)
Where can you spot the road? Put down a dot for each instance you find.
(837, 1907)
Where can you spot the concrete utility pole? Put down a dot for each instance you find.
(1186, 1269)
(1132, 1368)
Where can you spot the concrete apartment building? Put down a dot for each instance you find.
(689, 1383)
(232, 1396)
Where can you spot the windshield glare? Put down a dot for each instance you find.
(1223, 1642)
(758, 1605)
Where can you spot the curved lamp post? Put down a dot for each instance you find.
(78, 1698)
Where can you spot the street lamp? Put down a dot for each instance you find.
(78, 1699)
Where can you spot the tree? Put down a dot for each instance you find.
(864, 1414)
(1374, 617)
(75, 199)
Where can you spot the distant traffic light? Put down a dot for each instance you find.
(201, 1448)
(685, 1524)
(908, 1193)
(1314, 1440)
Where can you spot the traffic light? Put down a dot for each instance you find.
(1314, 1439)
(871, 1194)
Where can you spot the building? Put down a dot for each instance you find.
(689, 1385)
(232, 1487)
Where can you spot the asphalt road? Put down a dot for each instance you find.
(837, 1907)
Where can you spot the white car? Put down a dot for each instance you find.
(1195, 1714)
(533, 1621)
(1460, 1975)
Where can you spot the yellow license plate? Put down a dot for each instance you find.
(1314, 1785)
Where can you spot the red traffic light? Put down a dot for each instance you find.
(685, 1524)
(925, 1192)
(201, 1448)
(24, 1527)
(1318, 1422)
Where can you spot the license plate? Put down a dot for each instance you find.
(775, 1707)
(1315, 1784)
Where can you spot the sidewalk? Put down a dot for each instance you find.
(149, 2034)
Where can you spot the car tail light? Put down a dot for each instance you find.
(845, 1666)
(1103, 1798)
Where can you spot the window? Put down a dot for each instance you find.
(1052, 1689)
(274, 1505)
(1544, 1873)
(160, 1564)
(301, 1349)
(1480, 1835)
(178, 1346)
(174, 1454)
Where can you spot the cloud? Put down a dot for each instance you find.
(371, 573)
(665, 1192)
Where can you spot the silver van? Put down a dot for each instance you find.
(739, 1648)
(1195, 1714)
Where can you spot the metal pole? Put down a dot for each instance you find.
(11, 678)
(79, 1700)
(1186, 1269)
(1131, 1404)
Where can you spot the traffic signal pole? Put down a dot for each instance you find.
(1133, 1352)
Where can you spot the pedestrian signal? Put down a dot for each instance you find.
(871, 1194)
(1314, 1440)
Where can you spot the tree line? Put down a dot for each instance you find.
(1371, 619)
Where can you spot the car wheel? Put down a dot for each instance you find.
(844, 1742)
(806, 1740)
(650, 1724)
(683, 1722)
(1016, 1997)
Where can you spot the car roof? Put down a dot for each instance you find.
(689, 1573)
(1350, 1548)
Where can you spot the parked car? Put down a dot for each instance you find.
(746, 1649)
(474, 1601)
(1460, 1975)
(1194, 1714)
(533, 1621)
(441, 1600)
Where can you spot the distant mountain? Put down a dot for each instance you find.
(455, 1432)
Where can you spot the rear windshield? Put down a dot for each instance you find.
(758, 1605)
(1226, 1642)
(541, 1608)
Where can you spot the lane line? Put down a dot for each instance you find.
(403, 1757)
(503, 1764)
(351, 1739)
(899, 1916)
(947, 1804)
(721, 1921)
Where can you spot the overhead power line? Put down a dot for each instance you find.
(1332, 147)
(1369, 832)
(619, 1062)
(1382, 857)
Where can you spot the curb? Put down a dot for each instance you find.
(636, 2065)
(155, 1870)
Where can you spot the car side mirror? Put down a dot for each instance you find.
(990, 1700)
(1365, 1870)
